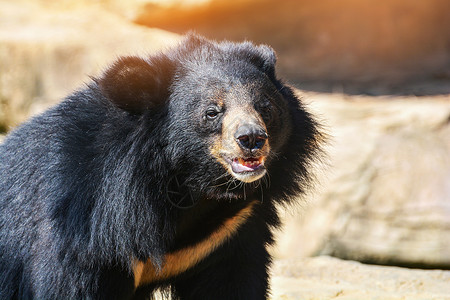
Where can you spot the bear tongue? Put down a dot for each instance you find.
(245, 165)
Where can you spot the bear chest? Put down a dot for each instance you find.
(182, 259)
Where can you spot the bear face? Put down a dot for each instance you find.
(234, 108)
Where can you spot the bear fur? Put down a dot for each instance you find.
(163, 172)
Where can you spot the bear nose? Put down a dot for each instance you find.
(250, 137)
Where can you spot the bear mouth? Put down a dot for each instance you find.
(241, 165)
(247, 169)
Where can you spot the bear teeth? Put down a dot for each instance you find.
(252, 162)
(242, 165)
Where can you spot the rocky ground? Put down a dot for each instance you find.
(326, 277)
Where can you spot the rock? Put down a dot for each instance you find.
(385, 196)
(330, 278)
(46, 52)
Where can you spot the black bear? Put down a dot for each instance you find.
(162, 173)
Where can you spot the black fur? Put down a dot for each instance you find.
(85, 186)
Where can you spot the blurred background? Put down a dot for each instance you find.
(375, 73)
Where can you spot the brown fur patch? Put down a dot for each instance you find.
(181, 260)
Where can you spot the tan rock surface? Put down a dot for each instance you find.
(385, 196)
(331, 278)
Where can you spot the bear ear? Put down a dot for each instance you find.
(269, 58)
(135, 84)
(262, 56)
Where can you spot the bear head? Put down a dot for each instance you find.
(226, 122)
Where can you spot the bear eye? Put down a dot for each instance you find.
(212, 113)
